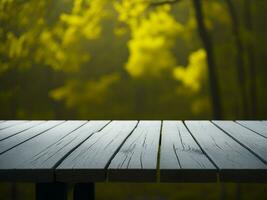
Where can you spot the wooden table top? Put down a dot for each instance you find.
(133, 151)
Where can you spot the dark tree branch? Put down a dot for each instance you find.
(251, 59)
(208, 45)
(164, 2)
(239, 56)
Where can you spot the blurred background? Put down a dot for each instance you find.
(135, 59)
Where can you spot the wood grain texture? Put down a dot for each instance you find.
(257, 126)
(11, 142)
(235, 162)
(89, 161)
(16, 129)
(10, 123)
(137, 158)
(82, 151)
(181, 159)
(252, 141)
(52, 156)
(20, 163)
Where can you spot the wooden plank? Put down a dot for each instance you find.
(181, 159)
(89, 161)
(235, 162)
(11, 142)
(18, 164)
(16, 129)
(10, 123)
(252, 141)
(257, 126)
(50, 157)
(137, 158)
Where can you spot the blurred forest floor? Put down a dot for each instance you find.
(153, 191)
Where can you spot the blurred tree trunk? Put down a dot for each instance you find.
(251, 59)
(239, 56)
(208, 45)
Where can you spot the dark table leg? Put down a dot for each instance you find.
(51, 191)
(84, 191)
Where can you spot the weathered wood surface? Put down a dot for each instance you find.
(252, 141)
(167, 151)
(16, 129)
(259, 127)
(89, 161)
(11, 142)
(10, 123)
(49, 157)
(137, 158)
(233, 160)
(20, 163)
(181, 159)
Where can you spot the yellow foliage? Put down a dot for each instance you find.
(31, 37)
(152, 38)
(84, 20)
(193, 75)
(15, 45)
(54, 55)
(75, 92)
(130, 11)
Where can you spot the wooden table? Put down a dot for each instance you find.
(53, 153)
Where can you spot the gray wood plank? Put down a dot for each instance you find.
(10, 123)
(235, 162)
(89, 161)
(16, 129)
(11, 142)
(17, 164)
(257, 126)
(50, 157)
(137, 158)
(254, 142)
(181, 159)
